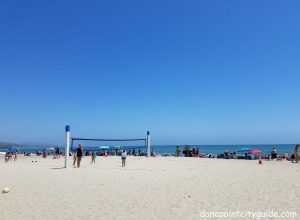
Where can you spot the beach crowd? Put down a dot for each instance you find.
(186, 152)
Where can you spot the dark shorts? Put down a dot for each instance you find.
(78, 159)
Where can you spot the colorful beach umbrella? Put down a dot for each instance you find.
(255, 151)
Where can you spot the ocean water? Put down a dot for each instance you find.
(170, 149)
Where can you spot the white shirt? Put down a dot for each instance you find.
(124, 154)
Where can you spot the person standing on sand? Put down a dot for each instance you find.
(79, 153)
(177, 151)
(123, 156)
(296, 152)
(93, 157)
(273, 153)
(57, 153)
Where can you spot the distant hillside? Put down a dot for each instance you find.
(2, 143)
(34, 144)
(25, 144)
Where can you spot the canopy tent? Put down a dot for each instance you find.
(13, 149)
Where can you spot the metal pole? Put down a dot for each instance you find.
(67, 145)
(148, 144)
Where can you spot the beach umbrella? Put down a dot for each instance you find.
(245, 149)
(119, 147)
(255, 151)
(104, 147)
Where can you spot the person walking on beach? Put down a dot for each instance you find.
(296, 152)
(74, 158)
(94, 157)
(123, 156)
(79, 153)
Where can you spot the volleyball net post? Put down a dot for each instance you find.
(148, 145)
(67, 144)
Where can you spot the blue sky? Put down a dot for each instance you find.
(197, 72)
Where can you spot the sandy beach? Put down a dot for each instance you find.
(155, 188)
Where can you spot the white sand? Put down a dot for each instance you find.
(156, 188)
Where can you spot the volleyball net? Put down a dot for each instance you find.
(75, 141)
(70, 141)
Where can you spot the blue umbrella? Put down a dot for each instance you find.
(104, 147)
(118, 147)
(244, 149)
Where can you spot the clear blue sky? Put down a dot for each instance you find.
(197, 72)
